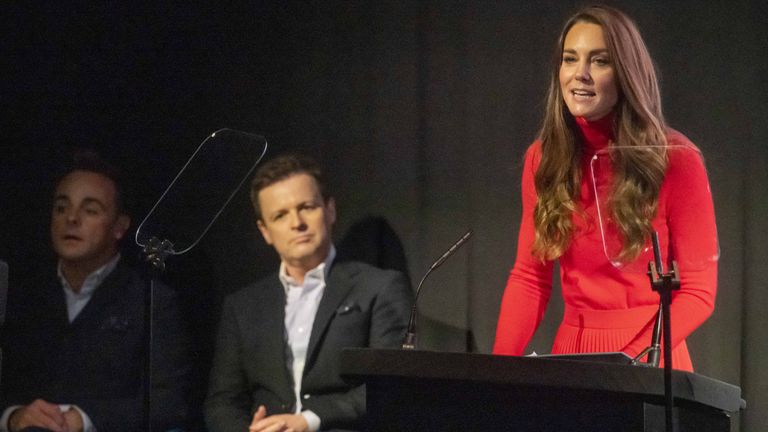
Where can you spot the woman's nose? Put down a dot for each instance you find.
(582, 72)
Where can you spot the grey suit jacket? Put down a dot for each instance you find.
(362, 306)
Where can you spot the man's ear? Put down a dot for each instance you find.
(264, 231)
(121, 226)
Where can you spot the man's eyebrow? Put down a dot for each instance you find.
(91, 200)
(88, 200)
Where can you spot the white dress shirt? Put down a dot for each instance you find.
(76, 301)
(301, 306)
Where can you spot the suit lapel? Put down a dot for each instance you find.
(337, 287)
(56, 299)
(270, 328)
(273, 333)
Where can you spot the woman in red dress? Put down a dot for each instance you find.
(604, 174)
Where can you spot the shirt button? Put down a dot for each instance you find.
(306, 396)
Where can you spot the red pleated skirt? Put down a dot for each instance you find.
(588, 331)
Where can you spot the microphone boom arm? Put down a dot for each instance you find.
(410, 336)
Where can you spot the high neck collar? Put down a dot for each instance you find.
(596, 133)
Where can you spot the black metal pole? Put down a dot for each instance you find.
(155, 253)
(147, 381)
(668, 396)
(664, 284)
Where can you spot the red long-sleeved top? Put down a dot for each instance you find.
(611, 307)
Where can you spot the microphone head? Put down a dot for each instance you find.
(451, 250)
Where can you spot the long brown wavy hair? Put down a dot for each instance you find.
(638, 121)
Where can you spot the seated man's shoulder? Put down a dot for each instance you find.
(128, 278)
(355, 267)
(254, 289)
(373, 277)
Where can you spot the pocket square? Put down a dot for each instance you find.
(347, 308)
(113, 322)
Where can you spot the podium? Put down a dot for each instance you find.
(438, 391)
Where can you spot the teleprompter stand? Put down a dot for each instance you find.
(155, 253)
(664, 284)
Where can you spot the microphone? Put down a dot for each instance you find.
(410, 335)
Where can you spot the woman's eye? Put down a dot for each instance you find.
(600, 61)
(569, 59)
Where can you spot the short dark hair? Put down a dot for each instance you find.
(91, 161)
(282, 167)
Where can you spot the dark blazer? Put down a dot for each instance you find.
(97, 361)
(362, 306)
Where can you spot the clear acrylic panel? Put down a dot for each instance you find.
(690, 252)
(201, 190)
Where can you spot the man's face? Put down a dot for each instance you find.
(296, 220)
(85, 224)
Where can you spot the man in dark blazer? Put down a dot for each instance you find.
(276, 366)
(75, 340)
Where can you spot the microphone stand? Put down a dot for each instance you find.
(410, 336)
(664, 284)
(155, 253)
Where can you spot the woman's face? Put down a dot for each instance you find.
(587, 77)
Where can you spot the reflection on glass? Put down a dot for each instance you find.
(696, 250)
(201, 190)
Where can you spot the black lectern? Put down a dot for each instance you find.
(437, 391)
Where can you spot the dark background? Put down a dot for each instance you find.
(420, 112)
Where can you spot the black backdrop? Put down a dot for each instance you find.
(420, 111)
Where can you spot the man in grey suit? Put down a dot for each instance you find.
(276, 365)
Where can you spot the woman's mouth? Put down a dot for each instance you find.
(580, 93)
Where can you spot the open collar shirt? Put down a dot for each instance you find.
(302, 302)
